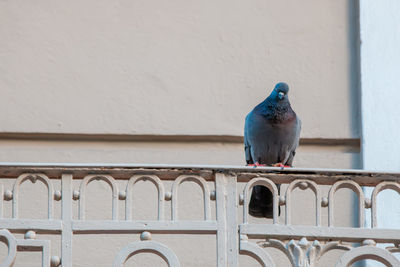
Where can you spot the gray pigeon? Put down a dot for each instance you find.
(271, 136)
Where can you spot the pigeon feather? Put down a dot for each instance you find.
(271, 136)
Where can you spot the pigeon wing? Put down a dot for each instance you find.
(247, 145)
(295, 144)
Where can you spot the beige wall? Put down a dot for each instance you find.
(172, 68)
(180, 68)
(177, 67)
(312, 156)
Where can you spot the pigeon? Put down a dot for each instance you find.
(271, 136)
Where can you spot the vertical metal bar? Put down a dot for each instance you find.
(227, 233)
(66, 206)
(220, 189)
(288, 206)
(46, 254)
(231, 215)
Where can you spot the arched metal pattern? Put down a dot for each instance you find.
(368, 252)
(160, 188)
(333, 245)
(82, 194)
(12, 248)
(206, 195)
(349, 185)
(303, 252)
(146, 246)
(302, 244)
(314, 187)
(279, 245)
(380, 187)
(256, 252)
(33, 177)
(36, 245)
(246, 196)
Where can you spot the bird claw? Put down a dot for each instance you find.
(280, 165)
(260, 165)
(256, 165)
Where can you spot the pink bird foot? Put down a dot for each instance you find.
(257, 165)
(281, 165)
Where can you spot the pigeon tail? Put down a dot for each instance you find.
(261, 202)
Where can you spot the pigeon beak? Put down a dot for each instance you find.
(281, 95)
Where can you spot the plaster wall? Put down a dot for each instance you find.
(380, 68)
(163, 152)
(178, 67)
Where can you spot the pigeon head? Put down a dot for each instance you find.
(280, 93)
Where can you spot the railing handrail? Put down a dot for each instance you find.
(233, 168)
(172, 171)
(225, 191)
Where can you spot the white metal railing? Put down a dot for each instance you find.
(303, 245)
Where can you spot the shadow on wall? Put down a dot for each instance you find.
(354, 77)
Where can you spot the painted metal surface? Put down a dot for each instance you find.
(303, 245)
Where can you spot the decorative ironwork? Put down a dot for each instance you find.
(232, 237)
